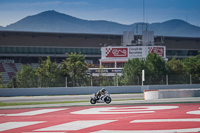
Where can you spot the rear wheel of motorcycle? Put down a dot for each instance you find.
(93, 101)
(108, 100)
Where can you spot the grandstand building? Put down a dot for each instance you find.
(17, 48)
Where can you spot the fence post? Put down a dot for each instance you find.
(91, 80)
(138, 80)
(167, 79)
(143, 77)
(190, 79)
(39, 82)
(117, 79)
(65, 81)
(13, 82)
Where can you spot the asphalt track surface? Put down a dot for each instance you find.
(155, 118)
(121, 116)
(117, 99)
(65, 98)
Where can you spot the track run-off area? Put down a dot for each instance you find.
(177, 117)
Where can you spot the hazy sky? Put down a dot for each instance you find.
(120, 11)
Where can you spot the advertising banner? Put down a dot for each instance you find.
(158, 50)
(105, 71)
(136, 52)
(132, 52)
(116, 52)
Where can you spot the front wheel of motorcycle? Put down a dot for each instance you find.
(108, 100)
(93, 101)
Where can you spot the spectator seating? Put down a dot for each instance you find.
(8, 70)
(2, 68)
(11, 74)
(13, 66)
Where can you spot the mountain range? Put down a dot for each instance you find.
(52, 21)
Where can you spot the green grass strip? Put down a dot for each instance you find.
(37, 103)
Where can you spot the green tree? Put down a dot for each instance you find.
(1, 85)
(155, 69)
(132, 71)
(102, 80)
(49, 74)
(193, 67)
(175, 67)
(74, 68)
(155, 65)
(25, 78)
(176, 71)
(106, 81)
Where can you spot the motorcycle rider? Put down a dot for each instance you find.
(100, 93)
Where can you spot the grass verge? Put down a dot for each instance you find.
(39, 103)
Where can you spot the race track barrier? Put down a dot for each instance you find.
(173, 93)
(88, 90)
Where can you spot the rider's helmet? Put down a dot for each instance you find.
(103, 90)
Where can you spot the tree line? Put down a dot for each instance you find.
(72, 72)
(158, 71)
(51, 74)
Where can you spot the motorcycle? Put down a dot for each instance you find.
(104, 98)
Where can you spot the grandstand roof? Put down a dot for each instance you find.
(16, 38)
(46, 39)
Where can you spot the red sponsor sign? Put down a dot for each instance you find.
(116, 52)
(158, 50)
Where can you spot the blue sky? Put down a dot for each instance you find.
(120, 11)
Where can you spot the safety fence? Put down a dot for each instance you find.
(106, 81)
(149, 80)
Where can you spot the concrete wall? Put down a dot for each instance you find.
(87, 90)
(162, 87)
(66, 91)
(177, 93)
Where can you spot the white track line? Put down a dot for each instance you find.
(166, 120)
(150, 131)
(76, 125)
(35, 112)
(12, 125)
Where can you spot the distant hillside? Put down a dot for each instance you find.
(1, 27)
(176, 27)
(52, 21)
